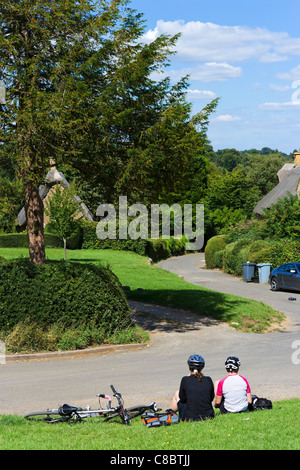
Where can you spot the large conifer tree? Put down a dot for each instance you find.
(79, 91)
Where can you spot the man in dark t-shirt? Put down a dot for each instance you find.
(194, 398)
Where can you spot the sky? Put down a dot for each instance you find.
(246, 53)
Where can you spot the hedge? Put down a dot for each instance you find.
(86, 238)
(156, 249)
(20, 240)
(278, 252)
(60, 292)
(231, 256)
(214, 251)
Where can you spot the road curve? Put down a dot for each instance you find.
(270, 362)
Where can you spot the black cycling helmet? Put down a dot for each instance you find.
(232, 363)
(196, 362)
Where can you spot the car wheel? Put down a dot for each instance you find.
(274, 284)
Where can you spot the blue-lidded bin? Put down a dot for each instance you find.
(264, 270)
(248, 271)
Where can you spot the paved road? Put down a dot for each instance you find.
(192, 268)
(153, 372)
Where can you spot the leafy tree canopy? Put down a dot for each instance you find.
(79, 90)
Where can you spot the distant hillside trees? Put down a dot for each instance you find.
(237, 180)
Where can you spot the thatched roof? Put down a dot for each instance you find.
(53, 177)
(290, 184)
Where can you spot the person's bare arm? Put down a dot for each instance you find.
(218, 400)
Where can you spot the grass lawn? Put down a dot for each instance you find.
(168, 289)
(276, 429)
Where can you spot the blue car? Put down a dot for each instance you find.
(286, 276)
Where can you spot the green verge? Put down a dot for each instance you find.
(276, 429)
(149, 283)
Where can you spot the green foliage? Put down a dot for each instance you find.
(277, 252)
(82, 94)
(67, 294)
(234, 255)
(10, 201)
(15, 240)
(86, 238)
(263, 169)
(168, 163)
(27, 337)
(213, 249)
(65, 212)
(274, 239)
(155, 249)
(227, 159)
(222, 219)
(282, 219)
(237, 180)
(233, 190)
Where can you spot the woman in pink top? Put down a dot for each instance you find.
(232, 394)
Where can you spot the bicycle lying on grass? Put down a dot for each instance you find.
(74, 414)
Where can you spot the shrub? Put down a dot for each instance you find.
(282, 218)
(235, 254)
(61, 293)
(91, 241)
(258, 251)
(156, 249)
(218, 259)
(215, 245)
(284, 251)
(28, 338)
(20, 240)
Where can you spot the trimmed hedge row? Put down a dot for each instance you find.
(155, 249)
(60, 292)
(86, 238)
(20, 240)
(229, 256)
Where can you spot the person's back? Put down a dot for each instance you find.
(197, 397)
(194, 398)
(233, 393)
(234, 389)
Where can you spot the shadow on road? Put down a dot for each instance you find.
(206, 308)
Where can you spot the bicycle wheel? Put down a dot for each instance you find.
(121, 414)
(50, 416)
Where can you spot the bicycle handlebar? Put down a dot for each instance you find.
(101, 395)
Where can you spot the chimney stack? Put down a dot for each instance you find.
(297, 158)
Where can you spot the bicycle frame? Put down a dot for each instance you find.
(67, 413)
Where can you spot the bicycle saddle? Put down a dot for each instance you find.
(66, 410)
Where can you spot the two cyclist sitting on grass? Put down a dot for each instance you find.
(196, 393)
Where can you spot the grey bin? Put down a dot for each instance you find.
(248, 271)
(264, 270)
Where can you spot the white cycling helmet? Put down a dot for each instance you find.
(232, 363)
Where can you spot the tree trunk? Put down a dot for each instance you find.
(34, 210)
